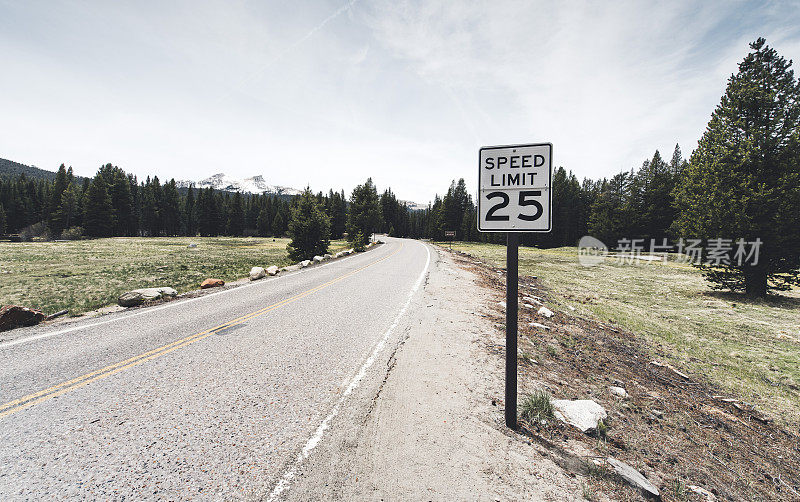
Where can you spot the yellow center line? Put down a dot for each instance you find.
(78, 382)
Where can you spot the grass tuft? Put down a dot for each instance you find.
(537, 408)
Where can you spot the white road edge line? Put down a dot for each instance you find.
(313, 441)
(148, 310)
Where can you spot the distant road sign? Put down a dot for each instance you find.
(514, 191)
(449, 233)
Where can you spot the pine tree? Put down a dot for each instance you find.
(235, 225)
(67, 213)
(2, 220)
(278, 225)
(60, 185)
(309, 227)
(171, 209)
(365, 211)
(189, 213)
(743, 180)
(98, 213)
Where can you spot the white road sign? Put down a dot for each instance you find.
(514, 193)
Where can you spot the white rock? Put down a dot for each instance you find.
(339, 254)
(139, 296)
(304, 263)
(502, 304)
(272, 270)
(582, 413)
(538, 325)
(618, 391)
(318, 259)
(545, 312)
(634, 477)
(291, 268)
(327, 257)
(709, 497)
(192, 246)
(257, 273)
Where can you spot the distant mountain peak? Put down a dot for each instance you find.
(254, 184)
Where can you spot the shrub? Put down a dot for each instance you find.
(72, 233)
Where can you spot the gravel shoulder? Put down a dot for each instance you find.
(432, 429)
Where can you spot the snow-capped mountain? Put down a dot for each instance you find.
(255, 184)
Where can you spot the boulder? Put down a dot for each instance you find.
(618, 391)
(340, 254)
(545, 312)
(211, 283)
(327, 257)
(12, 316)
(304, 263)
(318, 259)
(272, 270)
(291, 268)
(139, 296)
(192, 246)
(257, 273)
(581, 413)
(634, 478)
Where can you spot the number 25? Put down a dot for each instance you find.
(523, 201)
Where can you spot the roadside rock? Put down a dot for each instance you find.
(272, 270)
(582, 413)
(340, 254)
(12, 316)
(545, 312)
(257, 273)
(304, 263)
(327, 256)
(291, 268)
(139, 296)
(634, 478)
(318, 259)
(211, 283)
(707, 495)
(618, 391)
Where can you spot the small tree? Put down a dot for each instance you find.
(743, 181)
(365, 211)
(309, 227)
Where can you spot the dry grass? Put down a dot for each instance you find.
(84, 275)
(751, 348)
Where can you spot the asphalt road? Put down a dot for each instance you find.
(215, 397)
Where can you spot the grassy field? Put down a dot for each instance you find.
(84, 275)
(749, 347)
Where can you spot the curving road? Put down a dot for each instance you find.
(216, 397)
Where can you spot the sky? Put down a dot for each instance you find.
(326, 93)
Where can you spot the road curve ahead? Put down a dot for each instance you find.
(210, 398)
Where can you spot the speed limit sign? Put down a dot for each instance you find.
(514, 192)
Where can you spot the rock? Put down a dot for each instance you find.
(340, 254)
(634, 478)
(291, 268)
(350, 251)
(318, 259)
(582, 413)
(618, 391)
(671, 368)
(272, 270)
(707, 495)
(304, 263)
(538, 325)
(327, 257)
(192, 246)
(211, 283)
(12, 316)
(257, 273)
(139, 296)
(545, 312)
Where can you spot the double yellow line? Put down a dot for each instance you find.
(16, 405)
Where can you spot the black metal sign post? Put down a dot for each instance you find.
(512, 270)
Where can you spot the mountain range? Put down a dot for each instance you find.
(254, 184)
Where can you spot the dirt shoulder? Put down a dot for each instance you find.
(435, 431)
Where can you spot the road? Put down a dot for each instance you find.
(215, 397)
